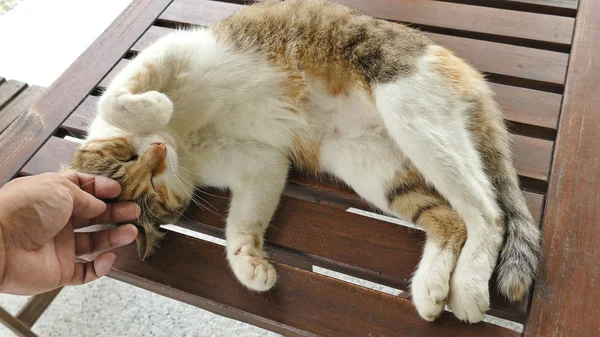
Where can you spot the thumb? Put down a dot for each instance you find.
(85, 205)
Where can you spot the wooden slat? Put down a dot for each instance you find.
(36, 306)
(566, 297)
(30, 130)
(536, 112)
(18, 105)
(335, 195)
(535, 68)
(532, 156)
(302, 303)
(325, 236)
(80, 120)
(456, 17)
(10, 89)
(55, 153)
(480, 20)
(15, 325)
(114, 72)
(552, 7)
(198, 12)
(570, 4)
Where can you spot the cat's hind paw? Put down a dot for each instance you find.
(469, 298)
(252, 269)
(430, 290)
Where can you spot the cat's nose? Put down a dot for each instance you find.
(160, 148)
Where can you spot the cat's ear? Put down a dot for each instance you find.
(137, 113)
(66, 169)
(147, 240)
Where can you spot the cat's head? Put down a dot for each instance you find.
(146, 165)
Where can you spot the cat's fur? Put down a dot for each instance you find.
(409, 126)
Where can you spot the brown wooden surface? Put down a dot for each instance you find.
(320, 235)
(9, 89)
(502, 24)
(18, 327)
(312, 227)
(532, 67)
(554, 7)
(566, 294)
(311, 303)
(36, 306)
(18, 105)
(30, 130)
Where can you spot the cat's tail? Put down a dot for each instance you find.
(518, 261)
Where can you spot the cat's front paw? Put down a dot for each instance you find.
(252, 269)
(469, 297)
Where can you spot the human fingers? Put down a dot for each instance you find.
(101, 187)
(85, 205)
(95, 242)
(93, 270)
(118, 212)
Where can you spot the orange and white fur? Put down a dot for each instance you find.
(411, 128)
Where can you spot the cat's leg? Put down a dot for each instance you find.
(429, 125)
(377, 172)
(135, 100)
(256, 176)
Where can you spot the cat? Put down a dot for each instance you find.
(412, 128)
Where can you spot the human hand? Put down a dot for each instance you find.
(38, 216)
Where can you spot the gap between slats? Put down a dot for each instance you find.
(322, 306)
(298, 227)
(480, 22)
(551, 7)
(565, 8)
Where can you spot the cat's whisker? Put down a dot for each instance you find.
(193, 197)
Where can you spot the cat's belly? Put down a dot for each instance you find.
(344, 116)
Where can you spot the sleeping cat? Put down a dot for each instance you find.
(413, 129)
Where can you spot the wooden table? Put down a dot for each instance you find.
(543, 60)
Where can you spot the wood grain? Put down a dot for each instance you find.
(566, 297)
(18, 105)
(30, 130)
(18, 327)
(302, 303)
(309, 233)
(552, 7)
(534, 67)
(481, 20)
(456, 17)
(36, 306)
(9, 89)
